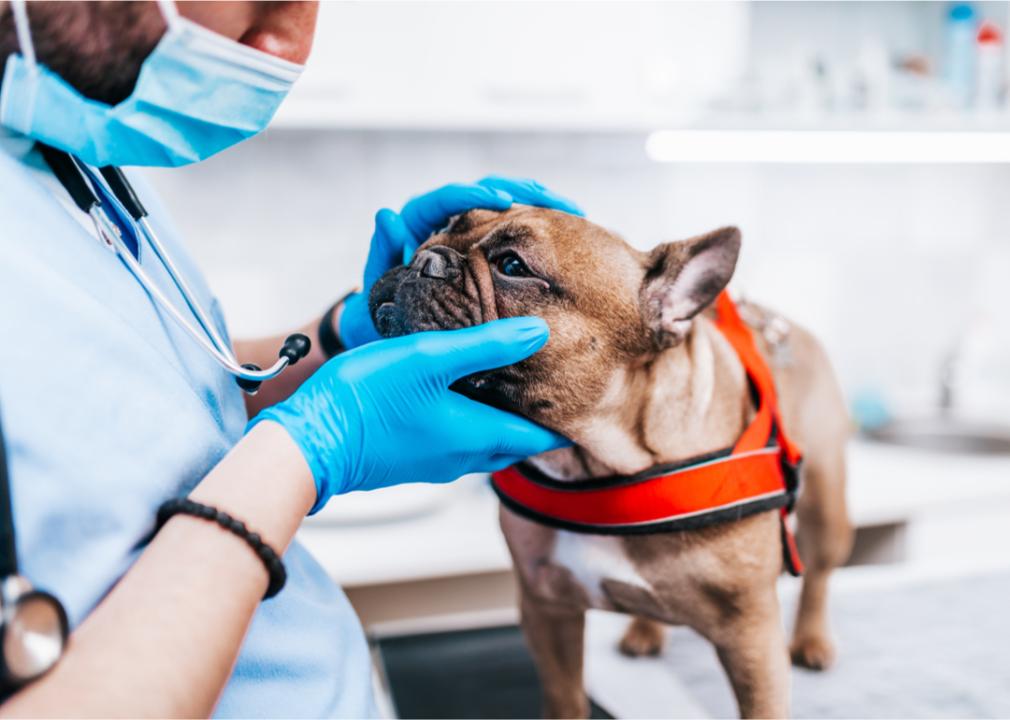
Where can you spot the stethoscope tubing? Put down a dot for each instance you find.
(124, 195)
(79, 182)
(206, 323)
(109, 233)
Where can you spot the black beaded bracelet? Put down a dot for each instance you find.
(271, 561)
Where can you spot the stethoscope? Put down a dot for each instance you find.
(33, 623)
(81, 183)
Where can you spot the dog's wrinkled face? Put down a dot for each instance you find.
(608, 305)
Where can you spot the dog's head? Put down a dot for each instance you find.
(608, 305)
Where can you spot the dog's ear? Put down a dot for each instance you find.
(682, 279)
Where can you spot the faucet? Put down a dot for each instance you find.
(948, 371)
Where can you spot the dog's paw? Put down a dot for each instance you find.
(814, 652)
(643, 637)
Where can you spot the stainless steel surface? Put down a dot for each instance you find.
(945, 435)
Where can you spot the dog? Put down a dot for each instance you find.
(636, 374)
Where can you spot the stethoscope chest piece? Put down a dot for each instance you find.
(33, 633)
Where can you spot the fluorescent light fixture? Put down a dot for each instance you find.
(827, 146)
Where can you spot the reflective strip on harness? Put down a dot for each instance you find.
(759, 473)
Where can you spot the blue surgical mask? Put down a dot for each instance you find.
(198, 93)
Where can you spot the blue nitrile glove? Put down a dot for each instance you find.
(383, 414)
(396, 236)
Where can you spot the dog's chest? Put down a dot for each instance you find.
(592, 559)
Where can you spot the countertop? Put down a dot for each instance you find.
(441, 531)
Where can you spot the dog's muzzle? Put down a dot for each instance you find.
(441, 289)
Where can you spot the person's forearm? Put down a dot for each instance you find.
(263, 352)
(163, 642)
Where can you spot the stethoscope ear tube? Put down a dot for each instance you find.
(249, 387)
(295, 347)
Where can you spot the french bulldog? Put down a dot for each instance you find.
(636, 375)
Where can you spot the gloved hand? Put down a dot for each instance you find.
(383, 414)
(398, 235)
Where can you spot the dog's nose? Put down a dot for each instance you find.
(437, 262)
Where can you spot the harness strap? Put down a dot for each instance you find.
(686, 499)
(759, 473)
(766, 421)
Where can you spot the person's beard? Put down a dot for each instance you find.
(97, 47)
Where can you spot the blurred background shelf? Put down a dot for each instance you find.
(507, 65)
(639, 67)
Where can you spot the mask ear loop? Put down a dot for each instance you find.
(169, 12)
(20, 10)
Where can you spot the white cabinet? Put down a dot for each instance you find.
(516, 65)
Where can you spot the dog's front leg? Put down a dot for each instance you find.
(554, 634)
(752, 650)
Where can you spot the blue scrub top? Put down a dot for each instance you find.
(108, 410)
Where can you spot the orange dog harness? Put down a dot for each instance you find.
(759, 473)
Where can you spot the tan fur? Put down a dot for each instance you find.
(635, 383)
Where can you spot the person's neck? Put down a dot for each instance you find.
(682, 402)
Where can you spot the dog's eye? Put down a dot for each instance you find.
(511, 265)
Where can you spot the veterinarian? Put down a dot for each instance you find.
(143, 496)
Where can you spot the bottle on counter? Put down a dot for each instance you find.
(961, 55)
(990, 86)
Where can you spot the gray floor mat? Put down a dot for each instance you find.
(485, 673)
